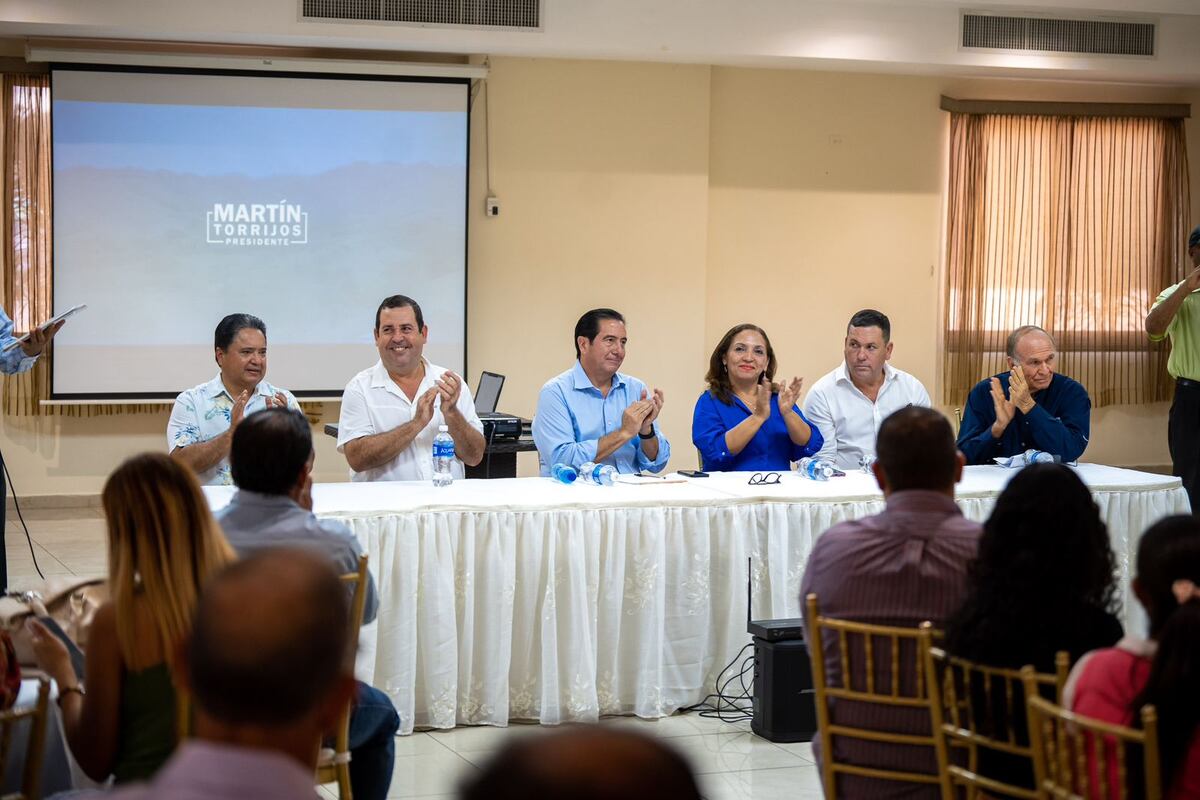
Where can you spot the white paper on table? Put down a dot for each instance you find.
(646, 480)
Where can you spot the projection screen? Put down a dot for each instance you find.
(182, 197)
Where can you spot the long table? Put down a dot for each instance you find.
(527, 599)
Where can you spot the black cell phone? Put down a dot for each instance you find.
(77, 657)
(693, 473)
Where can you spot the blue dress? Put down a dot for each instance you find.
(771, 448)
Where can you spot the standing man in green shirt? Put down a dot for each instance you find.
(1176, 313)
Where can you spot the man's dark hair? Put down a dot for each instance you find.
(401, 301)
(269, 450)
(269, 638)
(227, 329)
(586, 762)
(870, 318)
(916, 450)
(589, 324)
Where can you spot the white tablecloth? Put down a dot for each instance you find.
(524, 598)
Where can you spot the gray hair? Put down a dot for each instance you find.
(1020, 333)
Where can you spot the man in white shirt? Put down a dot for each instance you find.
(848, 404)
(391, 412)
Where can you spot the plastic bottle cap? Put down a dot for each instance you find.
(443, 429)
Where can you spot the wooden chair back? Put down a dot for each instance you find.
(862, 649)
(1078, 758)
(977, 708)
(335, 766)
(10, 720)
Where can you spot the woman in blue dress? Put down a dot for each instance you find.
(744, 421)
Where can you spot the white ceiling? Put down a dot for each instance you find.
(907, 36)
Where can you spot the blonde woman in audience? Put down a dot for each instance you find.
(162, 546)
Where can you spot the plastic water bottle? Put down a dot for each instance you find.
(443, 457)
(1040, 457)
(599, 474)
(815, 468)
(564, 473)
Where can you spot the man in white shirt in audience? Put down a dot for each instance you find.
(205, 416)
(849, 404)
(391, 411)
(268, 668)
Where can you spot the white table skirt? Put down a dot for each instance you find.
(523, 598)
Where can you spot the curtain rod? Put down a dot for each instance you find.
(1021, 107)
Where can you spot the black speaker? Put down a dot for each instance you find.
(784, 707)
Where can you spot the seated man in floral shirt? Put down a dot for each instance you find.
(205, 416)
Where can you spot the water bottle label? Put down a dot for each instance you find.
(443, 449)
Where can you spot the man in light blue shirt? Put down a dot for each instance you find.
(592, 412)
(19, 359)
(205, 416)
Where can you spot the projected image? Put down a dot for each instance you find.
(169, 215)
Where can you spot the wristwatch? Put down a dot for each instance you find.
(649, 435)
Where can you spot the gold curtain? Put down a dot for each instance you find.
(1071, 223)
(25, 269)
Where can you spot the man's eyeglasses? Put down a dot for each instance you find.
(763, 479)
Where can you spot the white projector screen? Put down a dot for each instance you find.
(182, 197)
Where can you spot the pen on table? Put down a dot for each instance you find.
(648, 475)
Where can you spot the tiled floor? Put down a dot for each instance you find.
(730, 761)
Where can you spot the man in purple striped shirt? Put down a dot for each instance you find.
(901, 567)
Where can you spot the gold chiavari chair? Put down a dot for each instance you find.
(977, 708)
(1078, 758)
(860, 680)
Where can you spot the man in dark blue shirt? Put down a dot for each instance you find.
(1029, 407)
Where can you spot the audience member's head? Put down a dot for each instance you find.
(1168, 552)
(271, 451)
(1045, 572)
(162, 544)
(268, 661)
(1168, 574)
(585, 762)
(915, 449)
(1193, 244)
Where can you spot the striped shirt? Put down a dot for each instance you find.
(901, 567)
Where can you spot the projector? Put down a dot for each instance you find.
(497, 426)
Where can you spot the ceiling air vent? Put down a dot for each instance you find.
(1050, 35)
(508, 14)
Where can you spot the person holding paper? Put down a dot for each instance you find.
(744, 421)
(592, 412)
(14, 360)
(23, 356)
(205, 416)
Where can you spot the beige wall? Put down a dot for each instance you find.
(690, 198)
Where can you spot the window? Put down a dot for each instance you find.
(1071, 222)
